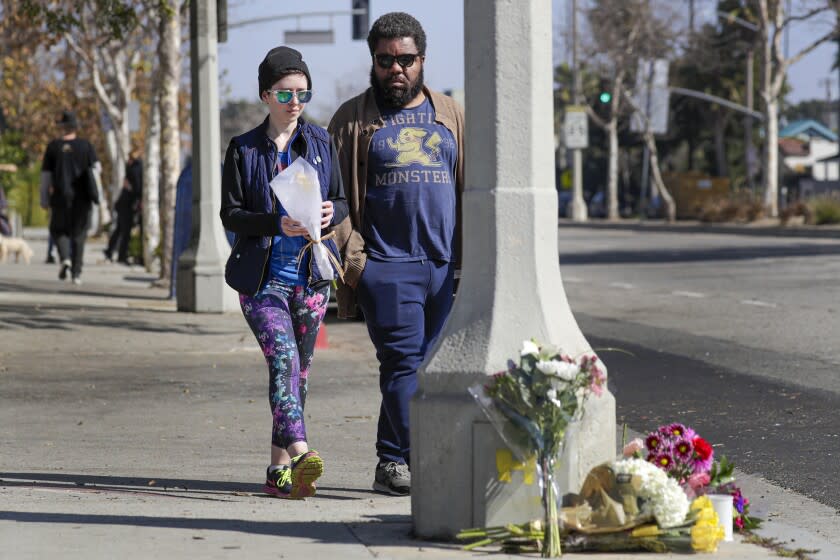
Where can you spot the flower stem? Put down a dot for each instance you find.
(551, 537)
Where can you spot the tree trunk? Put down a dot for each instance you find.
(667, 199)
(771, 158)
(118, 141)
(721, 163)
(151, 183)
(169, 52)
(612, 133)
(612, 174)
(113, 71)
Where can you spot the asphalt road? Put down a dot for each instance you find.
(736, 336)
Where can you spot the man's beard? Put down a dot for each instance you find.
(395, 97)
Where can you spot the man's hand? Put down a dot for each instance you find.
(326, 213)
(292, 228)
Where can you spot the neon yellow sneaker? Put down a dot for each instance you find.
(306, 469)
(278, 482)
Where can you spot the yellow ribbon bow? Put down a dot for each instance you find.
(505, 464)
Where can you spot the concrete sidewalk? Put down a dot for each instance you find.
(130, 430)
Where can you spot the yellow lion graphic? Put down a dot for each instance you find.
(409, 145)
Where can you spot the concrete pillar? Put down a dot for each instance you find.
(510, 289)
(201, 281)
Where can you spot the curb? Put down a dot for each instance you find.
(815, 232)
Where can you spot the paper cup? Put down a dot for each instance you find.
(723, 507)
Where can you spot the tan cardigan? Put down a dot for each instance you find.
(352, 129)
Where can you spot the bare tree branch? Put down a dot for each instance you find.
(595, 118)
(802, 17)
(650, 140)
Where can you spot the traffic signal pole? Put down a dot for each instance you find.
(578, 205)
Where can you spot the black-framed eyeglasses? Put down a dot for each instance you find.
(285, 95)
(385, 61)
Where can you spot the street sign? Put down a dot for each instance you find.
(576, 127)
(133, 116)
(309, 37)
(651, 96)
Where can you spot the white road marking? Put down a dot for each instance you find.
(688, 294)
(622, 285)
(572, 279)
(757, 303)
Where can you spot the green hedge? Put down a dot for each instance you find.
(825, 210)
(22, 192)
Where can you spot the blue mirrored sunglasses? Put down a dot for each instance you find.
(285, 95)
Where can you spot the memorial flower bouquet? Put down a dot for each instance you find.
(688, 458)
(698, 531)
(531, 404)
(627, 506)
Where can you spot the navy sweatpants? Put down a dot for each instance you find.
(405, 306)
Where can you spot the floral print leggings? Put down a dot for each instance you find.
(285, 319)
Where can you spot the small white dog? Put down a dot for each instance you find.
(16, 246)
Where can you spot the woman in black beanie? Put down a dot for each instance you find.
(281, 297)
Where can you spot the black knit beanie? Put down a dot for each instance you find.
(277, 63)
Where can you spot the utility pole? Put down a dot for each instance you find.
(787, 31)
(691, 16)
(579, 213)
(201, 268)
(838, 83)
(748, 134)
(646, 152)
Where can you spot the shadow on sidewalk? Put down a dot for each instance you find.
(91, 290)
(327, 532)
(67, 317)
(191, 489)
(371, 530)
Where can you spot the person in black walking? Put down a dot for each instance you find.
(69, 177)
(127, 209)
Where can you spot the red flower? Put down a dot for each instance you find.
(702, 448)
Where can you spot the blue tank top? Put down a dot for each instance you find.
(285, 249)
(410, 200)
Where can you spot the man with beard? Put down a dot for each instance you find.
(400, 147)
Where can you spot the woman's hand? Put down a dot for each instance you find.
(326, 213)
(292, 228)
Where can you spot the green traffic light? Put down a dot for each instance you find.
(605, 97)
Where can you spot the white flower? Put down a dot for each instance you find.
(558, 368)
(552, 396)
(529, 348)
(663, 496)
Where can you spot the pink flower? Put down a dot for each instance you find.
(598, 379)
(663, 461)
(683, 450)
(653, 442)
(633, 447)
(698, 481)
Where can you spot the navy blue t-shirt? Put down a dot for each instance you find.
(410, 201)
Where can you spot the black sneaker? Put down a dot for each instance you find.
(50, 259)
(65, 268)
(278, 482)
(392, 478)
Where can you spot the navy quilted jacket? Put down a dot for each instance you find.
(250, 209)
